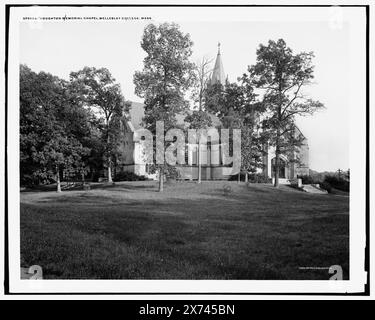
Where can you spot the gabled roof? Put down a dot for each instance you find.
(137, 112)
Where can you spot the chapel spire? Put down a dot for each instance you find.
(218, 75)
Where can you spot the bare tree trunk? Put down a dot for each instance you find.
(109, 172)
(239, 176)
(277, 159)
(161, 180)
(251, 144)
(109, 155)
(277, 166)
(199, 161)
(58, 179)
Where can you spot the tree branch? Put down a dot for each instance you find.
(294, 98)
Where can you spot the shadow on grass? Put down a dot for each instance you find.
(127, 185)
(150, 187)
(294, 187)
(258, 235)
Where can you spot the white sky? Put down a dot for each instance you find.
(64, 46)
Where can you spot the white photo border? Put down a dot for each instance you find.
(359, 202)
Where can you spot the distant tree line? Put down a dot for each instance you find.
(329, 181)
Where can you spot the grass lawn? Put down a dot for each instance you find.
(191, 231)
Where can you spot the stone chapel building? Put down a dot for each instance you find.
(212, 167)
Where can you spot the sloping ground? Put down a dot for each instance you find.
(339, 192)
(312, 189)
(215, 230)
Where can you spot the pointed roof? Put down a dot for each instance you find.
(137, 112)
(218, 75)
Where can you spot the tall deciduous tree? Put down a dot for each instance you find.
(282, 74)
(214, 100)
(100, 90)
(237, 108)
(52, 128)
(165, 78)
(252, 140)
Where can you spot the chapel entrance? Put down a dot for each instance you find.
(282, 168)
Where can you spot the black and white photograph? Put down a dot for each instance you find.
(187, 149)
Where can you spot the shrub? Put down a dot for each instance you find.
(337, 183)
(294, 182)
(31, 181)
(171, 173)
(95, 176)
(128, 176)
(235, 177)
(306, 179)
(27, 180)
(259, 178)
(326, 186)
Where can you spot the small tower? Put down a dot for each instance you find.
(218, 75)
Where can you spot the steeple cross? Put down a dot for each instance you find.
(218, 46)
